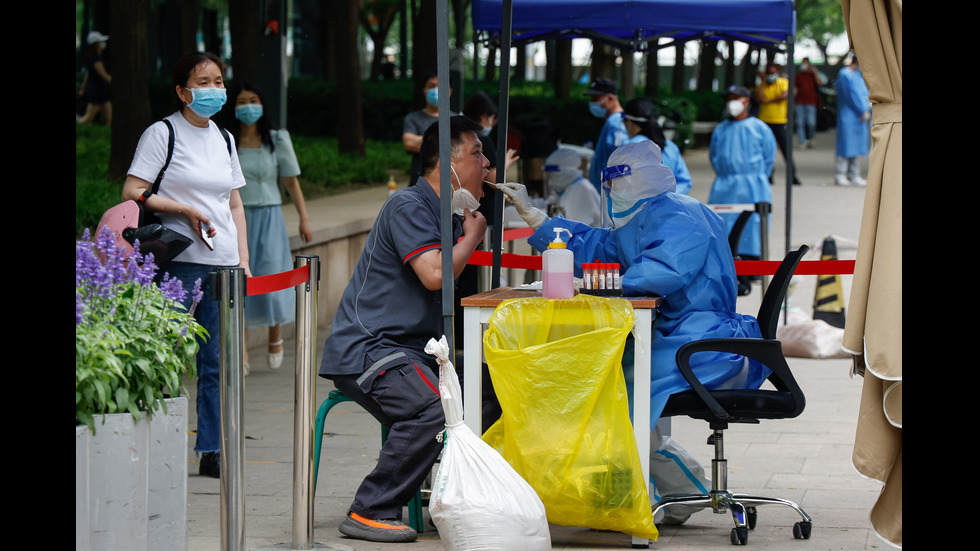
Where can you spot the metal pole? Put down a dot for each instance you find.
(304, 404)
(503, 116)
(764, 209)
(230, 289)
(445, 187)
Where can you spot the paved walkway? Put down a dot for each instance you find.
(806, 459)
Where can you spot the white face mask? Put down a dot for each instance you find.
(462, 198)
(735, 107)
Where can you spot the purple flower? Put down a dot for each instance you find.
(197, 293)
(172, 288)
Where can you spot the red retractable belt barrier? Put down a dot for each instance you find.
(259, 285)
(742, 267)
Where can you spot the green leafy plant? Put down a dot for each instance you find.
(134, 340)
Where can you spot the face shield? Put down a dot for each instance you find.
(561, 168)
(634, 176)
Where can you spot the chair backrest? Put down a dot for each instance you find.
(735, 235)
(769, 310)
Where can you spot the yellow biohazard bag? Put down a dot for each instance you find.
(556, 368)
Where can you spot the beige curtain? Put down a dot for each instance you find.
(873, 333)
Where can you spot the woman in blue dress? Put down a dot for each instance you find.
(266, 156)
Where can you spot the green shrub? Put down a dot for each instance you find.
(324, 170)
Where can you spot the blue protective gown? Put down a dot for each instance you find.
(675, 248)
(742, 154)
(853, 134)
(673, 160)
(613, 135)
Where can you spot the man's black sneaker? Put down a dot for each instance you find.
(384, 531)
(210, 464)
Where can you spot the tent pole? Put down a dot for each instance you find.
(445, 186)
(503, 116)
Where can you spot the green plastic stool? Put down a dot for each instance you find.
(335, 397)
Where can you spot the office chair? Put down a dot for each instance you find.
(721, 407)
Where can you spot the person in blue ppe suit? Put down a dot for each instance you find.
(574, 196)
(604, 104)
(853, 130)
(672, 246)
(641, 124)
(742, 152)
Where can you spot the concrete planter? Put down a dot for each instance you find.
(131, 482)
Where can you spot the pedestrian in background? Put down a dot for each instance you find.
(417, 122)
(742, 152)
(641, 124)
(807, 85)
(198, 193)
(96, 81)
(604, 104)
(772, 94)
(853, 129)
(266, 155)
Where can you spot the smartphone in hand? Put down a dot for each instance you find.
(205, 237)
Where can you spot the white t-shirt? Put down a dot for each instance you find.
(201, 174)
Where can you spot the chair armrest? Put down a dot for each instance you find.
(765, 351)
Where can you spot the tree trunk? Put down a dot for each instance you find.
(350, 119)
(729, 65)
(652, 86)
(130, 83)
(245, 26)
(187, 14)
(490, 73)
(678, 81)
(706, 72)
(563, 68)
(424, 52)
(628, 89)
(603, 61)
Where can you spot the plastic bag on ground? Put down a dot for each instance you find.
(478, 502)
(565, 427)
(812, 339)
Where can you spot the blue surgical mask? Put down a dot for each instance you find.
(249, 113)
(487, 130)
(771, 78)
(207, 101)
(432, 97)
(596, 109)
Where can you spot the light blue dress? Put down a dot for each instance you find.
(853, 134)
(268, 240)
(613, 135)
(742, 154)
(676, 248)
(673, 160)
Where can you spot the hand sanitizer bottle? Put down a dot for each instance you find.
(557, 264)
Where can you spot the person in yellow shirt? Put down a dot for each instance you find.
(772, 95)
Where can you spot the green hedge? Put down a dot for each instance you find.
(313, 106)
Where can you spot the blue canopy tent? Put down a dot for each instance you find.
(631, 25)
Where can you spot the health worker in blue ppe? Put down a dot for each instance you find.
(573, 196)
(641, 124)
(742, 152)
(604, 104)
(672, 246)
(853, 127)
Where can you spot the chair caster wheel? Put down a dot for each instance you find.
(801, 530)
(740, 535)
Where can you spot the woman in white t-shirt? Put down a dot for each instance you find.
(199, 188)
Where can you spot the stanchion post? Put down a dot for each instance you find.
(229, 285)
(304, 403)
(764, 209)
